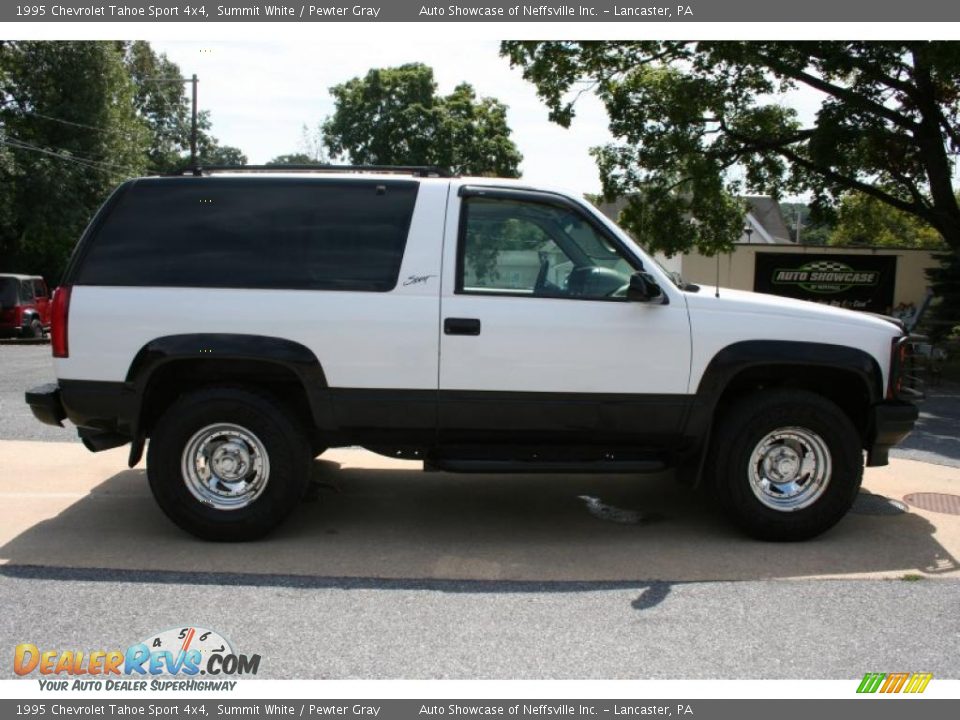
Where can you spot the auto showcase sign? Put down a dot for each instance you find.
(856, 282)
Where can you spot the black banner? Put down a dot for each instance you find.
(855, 282)
(731, 11)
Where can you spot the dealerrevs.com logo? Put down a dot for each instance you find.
(174, 659)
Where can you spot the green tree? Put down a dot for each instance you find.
(293, 159)
(162, 103)
(211, 152)
(71, 132)
(76, 119)
(864, 220)
(686, 113)
(944, 317)
(309, 150)
(393, 116)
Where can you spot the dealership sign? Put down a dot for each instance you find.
(857, 282)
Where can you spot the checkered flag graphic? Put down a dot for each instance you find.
(826, 266)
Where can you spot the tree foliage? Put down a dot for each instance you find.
(310, 150)
(393, 116)
(162, 103)
(698, 123)
(68, 121)
(76, 119)
(293, 159)
(864, 220)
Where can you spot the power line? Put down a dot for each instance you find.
(65, 155)
(67, 158)
(75, 124)
(81, 163)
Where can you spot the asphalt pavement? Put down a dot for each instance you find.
(303, 628)
(23, 367)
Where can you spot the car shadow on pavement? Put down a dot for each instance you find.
(401, 528)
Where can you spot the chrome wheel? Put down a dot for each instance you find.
(225, 466)
(789, 469)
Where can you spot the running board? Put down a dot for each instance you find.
(597, 467)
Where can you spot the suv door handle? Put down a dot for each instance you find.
(461, 326)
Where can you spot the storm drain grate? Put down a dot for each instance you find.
(870, 504)
(935, 502)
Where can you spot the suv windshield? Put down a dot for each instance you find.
(9, 292)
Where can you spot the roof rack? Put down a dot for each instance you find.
(424, 171)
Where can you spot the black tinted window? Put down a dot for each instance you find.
(9, 292)
(260, 233)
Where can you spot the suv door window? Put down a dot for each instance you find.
(40, 289)
(518, 247)
(26, 291)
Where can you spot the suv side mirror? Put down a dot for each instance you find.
(643, 288)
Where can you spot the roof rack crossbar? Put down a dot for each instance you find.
(416, 170)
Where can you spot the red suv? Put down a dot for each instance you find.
(24, 306)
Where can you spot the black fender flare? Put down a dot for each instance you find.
(290, 355)
(739, 357)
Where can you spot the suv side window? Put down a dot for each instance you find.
(519, 247)
(288, 233)
(40, 289)
(26, 291)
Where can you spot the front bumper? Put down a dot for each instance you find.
(892, 421)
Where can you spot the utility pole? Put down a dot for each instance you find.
(193, 80)
(798, 216)
(193, 129)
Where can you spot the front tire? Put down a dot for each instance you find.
(786, 464)
(34, 330)
(227, 464)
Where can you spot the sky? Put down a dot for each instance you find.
(261, 94)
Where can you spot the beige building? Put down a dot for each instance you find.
(737, 269)
(765, 231)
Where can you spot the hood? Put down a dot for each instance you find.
(742, 301)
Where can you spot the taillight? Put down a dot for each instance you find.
(58, 322)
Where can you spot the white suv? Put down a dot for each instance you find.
(246, 321)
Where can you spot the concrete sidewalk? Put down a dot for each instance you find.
(61, 506)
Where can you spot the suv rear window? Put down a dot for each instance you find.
(253, 233)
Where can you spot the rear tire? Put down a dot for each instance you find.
(787, 464)
(228, 464)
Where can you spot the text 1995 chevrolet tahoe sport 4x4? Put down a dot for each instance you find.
(246, 321)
